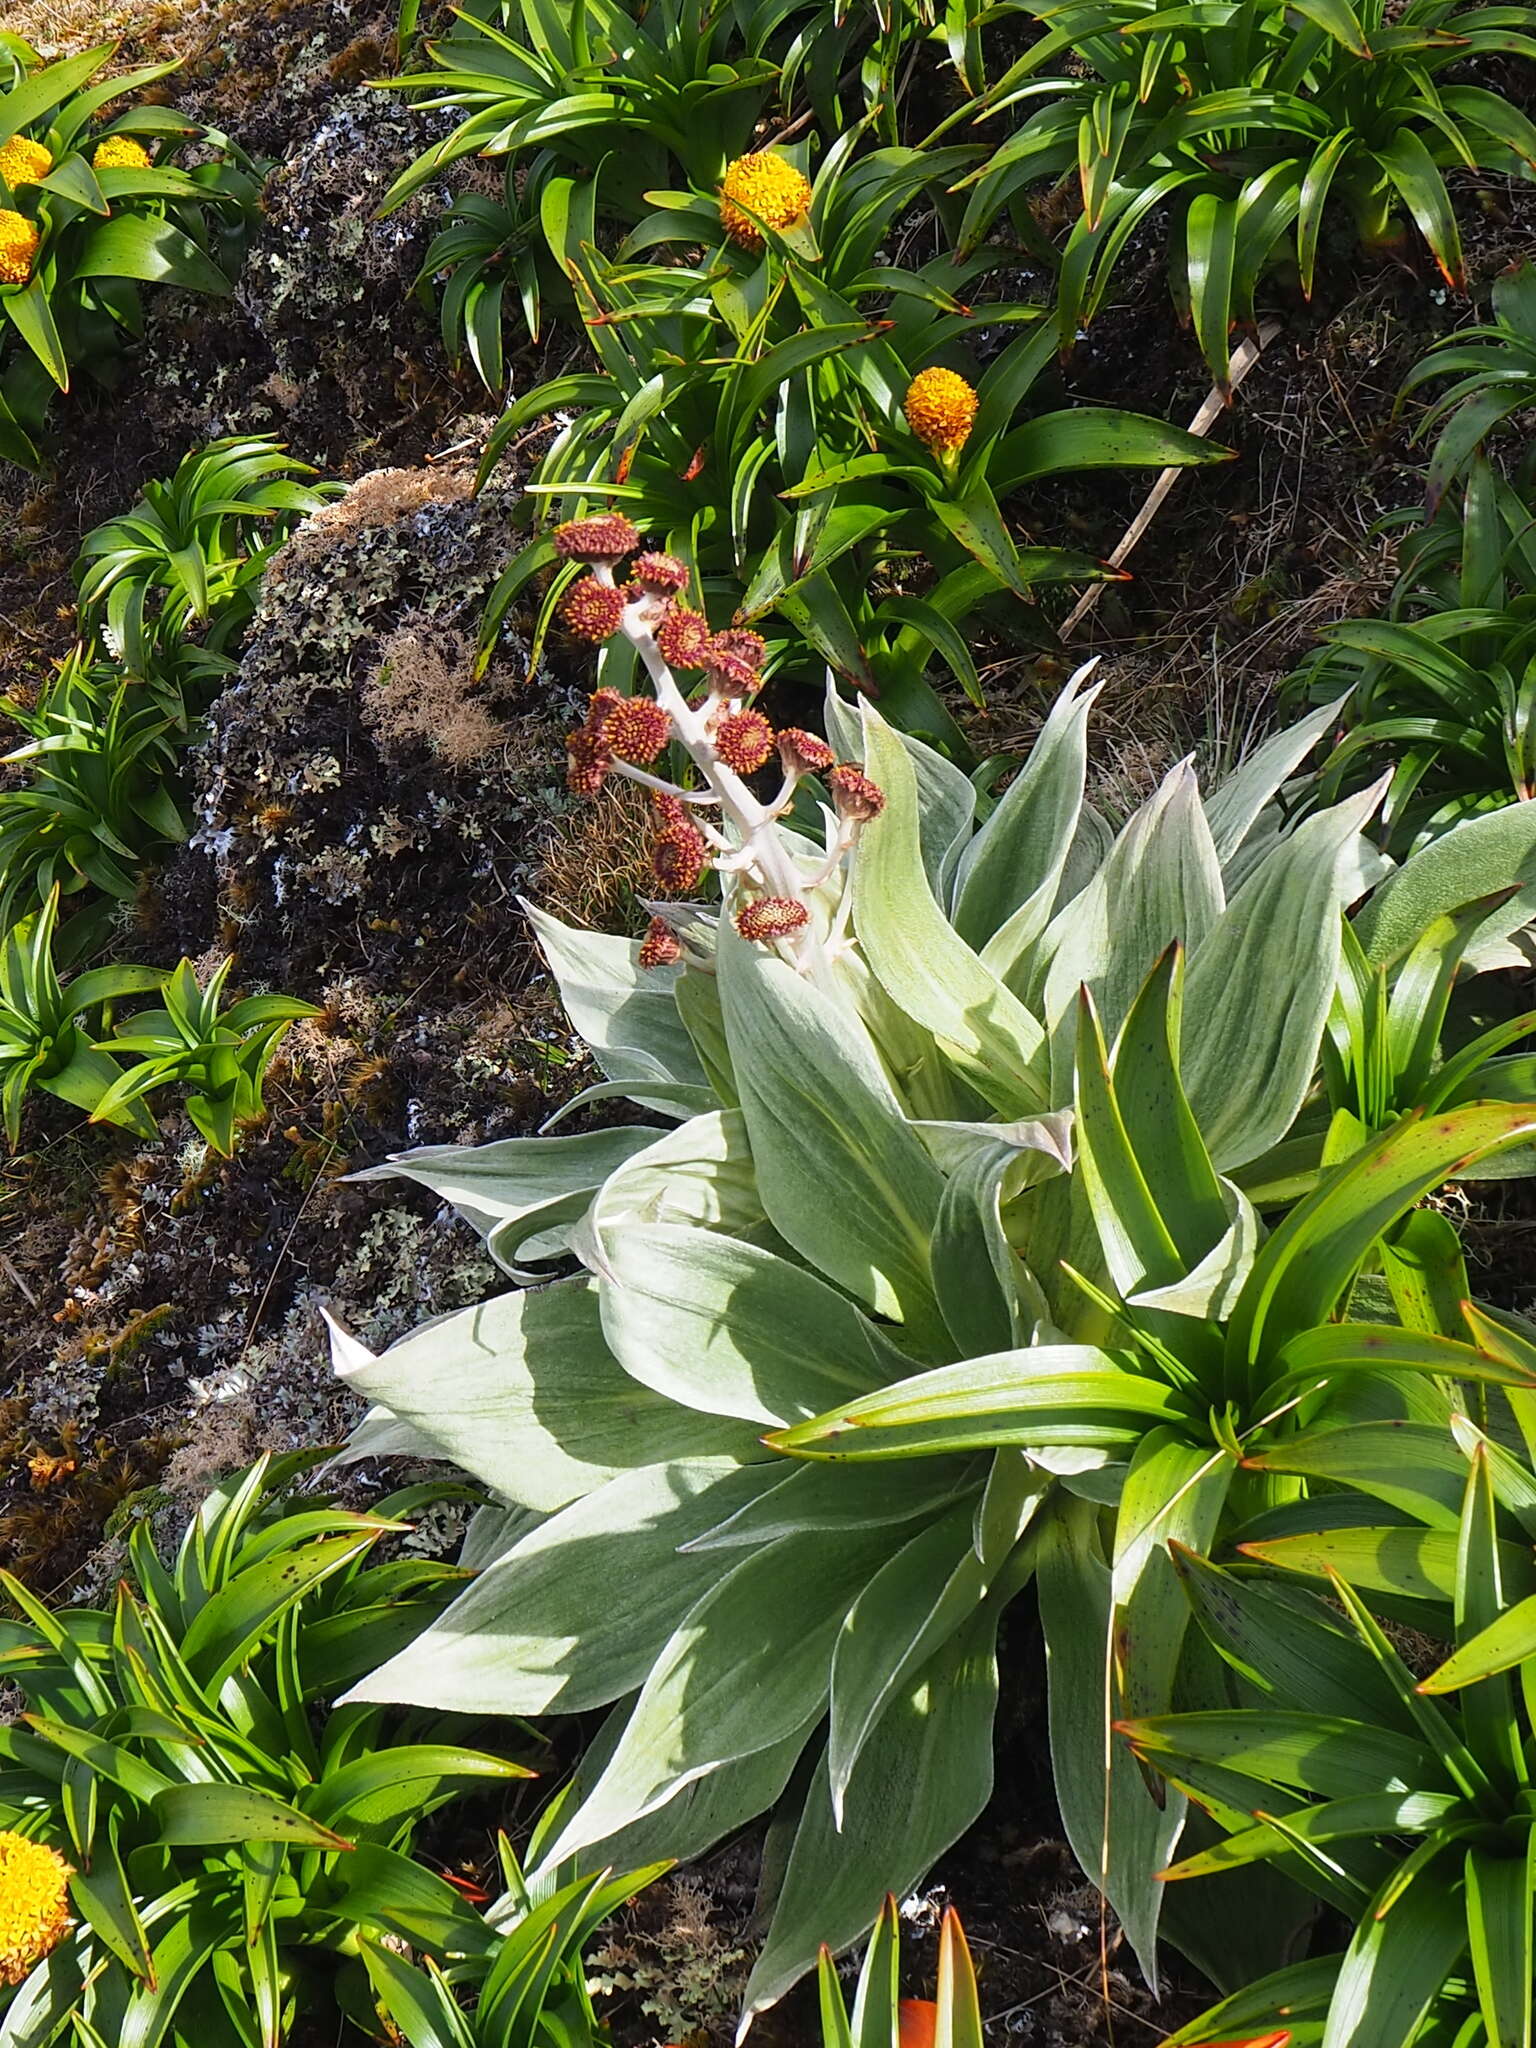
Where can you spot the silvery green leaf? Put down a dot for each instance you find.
(1258, 991)
(924, 1078)
(946, 799)
(744, 1670)
(521, 1194)
(691, 1822)
(1464, 863)
(1210, 1289)
(928, 1591)
(699, 1176)
(624, 1012)
(1042, 1145)
(383, 1435)
(841, 1176)
(492, 1530)
(541, 1629)
(1010, 872)
(524, 1393)
(923, 1776)
(1161, 882)
(836, 1497)
(1489, 955)
(921, 961)
(1088, 852)
(1233, 810)
(917, 1600)
(976, 1271)
(679, 1098)
(725, 1328)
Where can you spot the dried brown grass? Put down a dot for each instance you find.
(424, 691)
(595, 863)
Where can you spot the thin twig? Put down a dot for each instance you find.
(1244, 356)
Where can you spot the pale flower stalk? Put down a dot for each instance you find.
(726, 739)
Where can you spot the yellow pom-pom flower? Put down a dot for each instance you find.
(34, 1904)
(771, 186)
(941, 410)
(24, 162)
(120, 153)
(18, 247)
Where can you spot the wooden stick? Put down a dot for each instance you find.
(1244, 356)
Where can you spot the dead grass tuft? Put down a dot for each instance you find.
(596, 862)
(424, 691)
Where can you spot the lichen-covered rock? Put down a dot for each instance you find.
(332, 837)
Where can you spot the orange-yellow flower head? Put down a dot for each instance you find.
(941, 410)
(18, 247)
(774, 190)
(120, 153)
(34, 1904)
(24, 162)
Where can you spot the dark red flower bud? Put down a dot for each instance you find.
(635, 729)
(599, 704)
(679, 856)
(670, 810)
(857, 798)
(729, 675)
(593, 610)
(587, 762)
(744, 741)
(658, 572)
(606, 538)
(743, 645)
(660, 947)
(803, 753)
(771, 917)
(684, 638)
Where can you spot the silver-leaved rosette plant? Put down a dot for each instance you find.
(1002, 1181)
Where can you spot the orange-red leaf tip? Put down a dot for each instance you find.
(917, 2021)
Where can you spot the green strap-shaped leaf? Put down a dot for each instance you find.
(1047, 1394)
(1501, 1646)
(31, 315)
(1302, 1271)
(1330, 1758)
(209, 1815)
(238, 1616)
(1211, 228)
(1262, 2014)
(1397, 1964)
(1498, 1907)
(154, 251)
